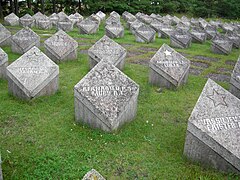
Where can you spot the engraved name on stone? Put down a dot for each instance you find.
(32, 70)
(172, 63)
(221, 123)
(98, 91)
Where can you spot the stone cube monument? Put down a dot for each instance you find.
(24, 40)
(235, 80)
(3, 63)
(145, 34)
(27, 21)
(168, 68)
(5, 36)
(107, 49)
(213, 131)
(61, 47)
(114, 30)
(221, 45)
(180, 39)
(88, 26)
(11, 20)
(32, 75)
(105, 98)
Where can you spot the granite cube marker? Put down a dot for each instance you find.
(105, 98)
(168, 68)
(32, 75)
(213, 131)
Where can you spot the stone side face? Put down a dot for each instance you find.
(3, 70)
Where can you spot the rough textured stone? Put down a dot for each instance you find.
(3, 63)
(61, 47)
(145, 34)
(112, 20)
(114, 30)
(44, 23)
(156, 25)
(182, 26)
(101, 15)
(211, 31)
(235, 80)
(180, 39)
(32, 75)
(65, 24)
(166, 30)
(5, 36)
(227, 27)
(135, 25)
(93, 175)
(88, 26)
(221, 45)
(107, 49)
(24, 40)
(37, 17)
(11, 20)
(198, 36)
(95, 18)
(115, 14)
(105, 98)
(27, 21)
(76, 18)
(214, 129)
(234, 38)
(168, 68)
(54, 19)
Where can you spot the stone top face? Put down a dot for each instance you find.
(25, 37)
(170, 62)
(210, 28)
(115, 28)
(54, 16)
(236, 72)
(11, 16)
(88, 24)
(3, 57)
(27, 17)
(217, 115)
(108, 90)
(61, 43)
(115, 14)
(181, 36)
(112, 19)
(62, 16)
(101, 14)
(32, 70)
(108, 49)
(146, 31)
(38, 15)
(4, 33)
(93, 175)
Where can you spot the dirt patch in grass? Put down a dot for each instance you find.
(132, 53)
(195, 71)
(204, 58)
(218, 77)
(230, 62)
(224, 70)
(126, 45)
(147, 49)
(83, 51)
(184, 54)
(144, 62)
(200, 64)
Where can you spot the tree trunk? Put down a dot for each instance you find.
(54, 6)
(29, 4)
(11, 6)
(42, 8)
(1, 10)
(16, 6)
(80, 6)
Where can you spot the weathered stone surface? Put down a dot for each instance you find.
(95, 18)
(214, 129)
(76, 18)
(5, 36)
(168, 68)
(211, 31)
(3, 63)
(65, 24)
(101, 15)
(221, 45)
(11, 20)
(165, 31)
(146, 19)
(37, 17)
(145, 34)
(32, 75)
(112, 20)
(128, 17)
(54, 19)
(107, 49)
(135, 25)
(182, 26)
(227, 27)
(105, 98)
(27, 21)
(115, 14)
(180, 39)
(24, 40)
(202, 23)
(235, 38)
(235, 80)
(93, 175)
(88, 26)
(61, 16)
(156, 25)
(198, 36)
(44, 23)
(61, 47)
(114, 30)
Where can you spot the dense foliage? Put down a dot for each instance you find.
(203, 8)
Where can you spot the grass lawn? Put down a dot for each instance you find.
(40, 139)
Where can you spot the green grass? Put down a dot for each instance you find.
(40, 139)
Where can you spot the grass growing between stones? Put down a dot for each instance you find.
(40, 139)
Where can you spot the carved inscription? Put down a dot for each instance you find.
(221, 123)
